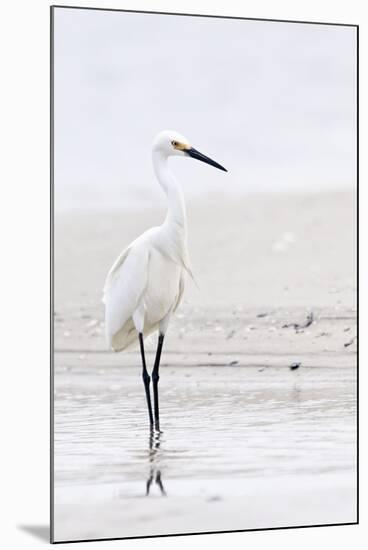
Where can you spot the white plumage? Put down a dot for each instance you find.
(146, 282)
(142, 288)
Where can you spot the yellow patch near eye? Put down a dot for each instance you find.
(180, 146)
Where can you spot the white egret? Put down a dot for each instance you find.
(146, 283)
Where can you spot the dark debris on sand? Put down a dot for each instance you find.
(295, 365)
(300, 326)
(347, 344)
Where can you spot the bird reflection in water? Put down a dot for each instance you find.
(154, 462)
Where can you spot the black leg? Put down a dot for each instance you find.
(159, 483)
(154, 474)
(146, 379)
(149, 482)
(155, 379)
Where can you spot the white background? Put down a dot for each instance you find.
(24, 393)
(240, 91)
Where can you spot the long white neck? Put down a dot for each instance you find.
(176, 214)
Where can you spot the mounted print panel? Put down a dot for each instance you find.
(204, 217)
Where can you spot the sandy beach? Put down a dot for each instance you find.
(247, 442)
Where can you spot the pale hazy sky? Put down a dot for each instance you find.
(275, 103)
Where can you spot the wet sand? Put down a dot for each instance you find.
(247, 443)
(241, 448)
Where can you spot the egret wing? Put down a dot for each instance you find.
(111, 276)
(124, 287)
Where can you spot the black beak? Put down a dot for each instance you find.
(197, 155)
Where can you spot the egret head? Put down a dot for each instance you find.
(169, 143)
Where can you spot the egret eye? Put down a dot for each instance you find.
(174, 143)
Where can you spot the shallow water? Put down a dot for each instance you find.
(225, 431)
